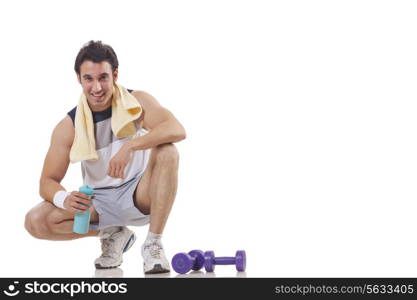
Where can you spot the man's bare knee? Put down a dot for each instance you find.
(36, 225)
(166, 153)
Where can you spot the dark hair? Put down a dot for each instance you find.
(97, 52)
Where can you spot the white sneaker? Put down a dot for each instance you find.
(154, 260)
(114, 242)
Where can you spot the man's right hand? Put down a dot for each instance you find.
(77, 202)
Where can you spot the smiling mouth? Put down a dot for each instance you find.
(97, 97)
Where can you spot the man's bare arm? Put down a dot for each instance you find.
(164, 127)
(57, 159)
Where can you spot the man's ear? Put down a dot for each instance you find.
(115, 75)
(79, 78)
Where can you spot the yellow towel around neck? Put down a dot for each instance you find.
(125, 110)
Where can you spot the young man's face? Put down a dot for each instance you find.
(97, 80)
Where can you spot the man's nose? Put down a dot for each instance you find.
(96, 87)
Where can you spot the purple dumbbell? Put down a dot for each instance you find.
(239, 260)
(184, 262)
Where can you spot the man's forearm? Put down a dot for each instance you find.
(48, 187)
(167, 132)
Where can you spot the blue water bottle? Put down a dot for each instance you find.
(82, 220)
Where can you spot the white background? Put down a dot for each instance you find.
(300, 117)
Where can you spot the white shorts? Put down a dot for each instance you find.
(115, 206)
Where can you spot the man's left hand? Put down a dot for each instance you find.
(119, 162)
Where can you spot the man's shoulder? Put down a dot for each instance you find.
(71, 114)
(141, 97)
(65, 124)
(64, 131)
(138, 94)
(145, 99)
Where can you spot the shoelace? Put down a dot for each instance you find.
(108, 248)
(107, 243)
(154, 249)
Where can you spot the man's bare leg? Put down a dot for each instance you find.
(155, 195)
(156, 190)
(45, 221)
